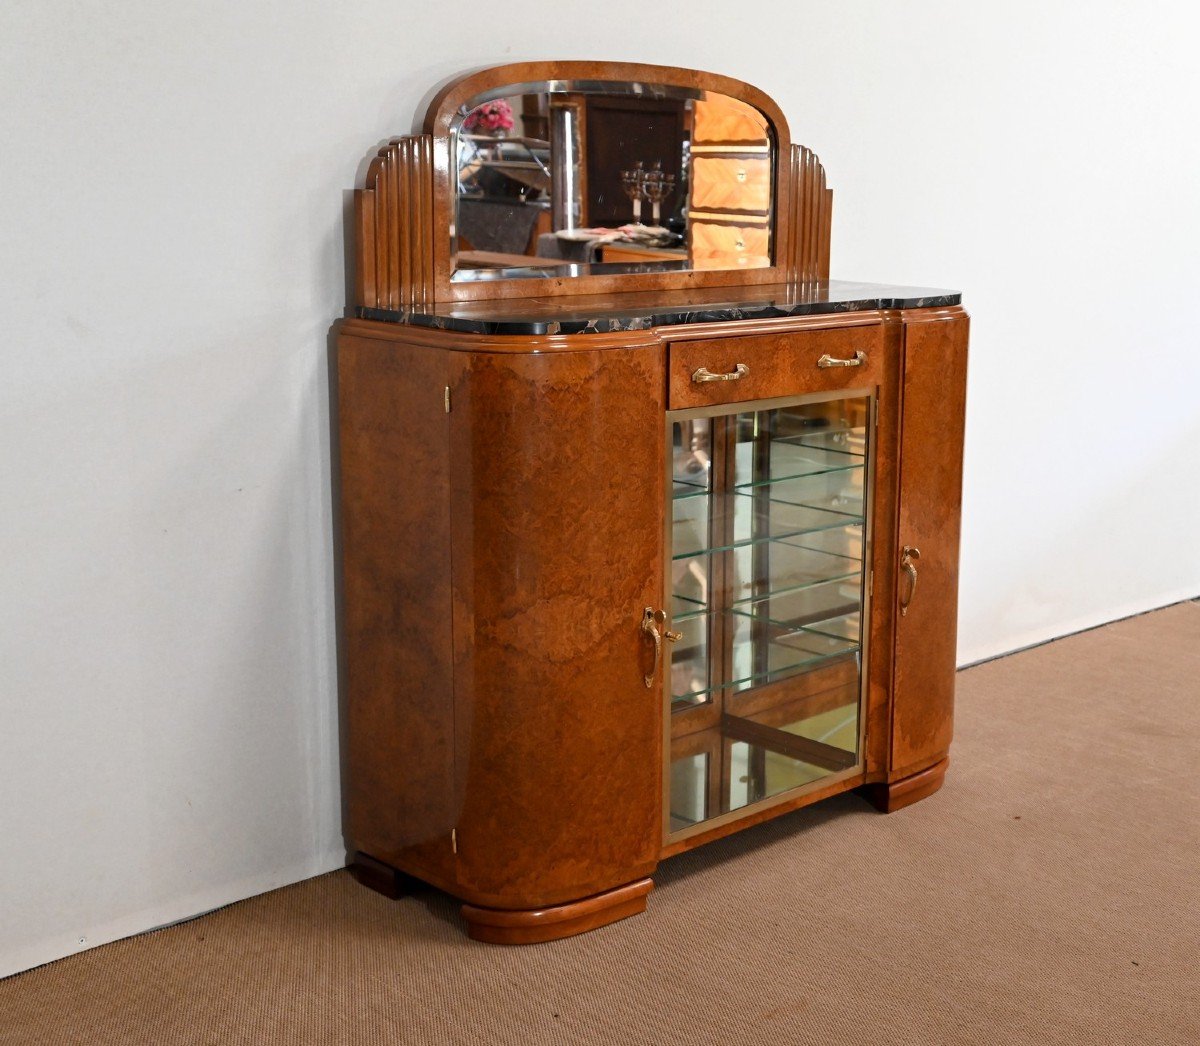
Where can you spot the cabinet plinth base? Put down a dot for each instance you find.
(380, 877)
(564, 920)
(888, 797)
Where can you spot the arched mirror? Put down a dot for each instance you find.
(549, 179)
(596, 177)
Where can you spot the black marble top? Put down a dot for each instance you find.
(641, 310)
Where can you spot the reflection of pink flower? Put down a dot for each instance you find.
(491, 116)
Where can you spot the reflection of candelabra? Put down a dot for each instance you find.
(631, 182)
(654, 185)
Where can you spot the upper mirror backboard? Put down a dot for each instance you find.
(600, 177)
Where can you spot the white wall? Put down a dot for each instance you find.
(171, 257)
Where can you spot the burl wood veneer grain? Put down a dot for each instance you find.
(557, 524)
(784, 364)
(930, 506)
(397, 644)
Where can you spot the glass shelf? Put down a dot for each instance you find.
(789, 461)
(758, 655)
(790, 458)
(794, 563)
(755, 520)
(803, 607)
(844, 441)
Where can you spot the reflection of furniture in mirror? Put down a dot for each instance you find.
(619, 129)
(600, 162)
(740, 204)
(731, 184)
(632, 252)
(504, 184)
(626, 572)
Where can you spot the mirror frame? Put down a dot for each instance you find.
(445, 110)
(406, 209)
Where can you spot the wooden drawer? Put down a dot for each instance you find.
(731, 184)
(775, 365)
(616, 252)
(717, 245)
(719, 118)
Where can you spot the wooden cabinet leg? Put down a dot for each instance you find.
(564, 920)
(889, 796)
(380, 877)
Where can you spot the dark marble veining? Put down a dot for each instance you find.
(641, 310)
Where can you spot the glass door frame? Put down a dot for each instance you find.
(871, 394)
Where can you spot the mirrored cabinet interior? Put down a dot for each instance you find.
(769, 533)
(648, 528)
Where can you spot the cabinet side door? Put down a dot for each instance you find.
(931, 443)
(398, 725)
(557, 493)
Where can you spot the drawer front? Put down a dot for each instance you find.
(719, 118)
(717, 245)
(615, 252)
(773, 365)
(731, 184)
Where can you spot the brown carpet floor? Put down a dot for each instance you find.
(1050, 893)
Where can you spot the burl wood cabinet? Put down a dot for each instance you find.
(637, 554)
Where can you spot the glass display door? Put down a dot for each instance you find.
(769, 534)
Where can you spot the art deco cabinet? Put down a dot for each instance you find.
(649, 530)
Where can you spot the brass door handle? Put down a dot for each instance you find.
(909, 555)
(858, 360)
(651, 619)
(739, 371)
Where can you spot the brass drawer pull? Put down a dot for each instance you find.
(650, 620)
(907, 557)
(860, 358)
(738, 372)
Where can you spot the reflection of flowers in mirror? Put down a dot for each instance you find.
(489, 118)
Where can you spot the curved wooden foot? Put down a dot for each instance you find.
(564, 920)
(890, 796)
